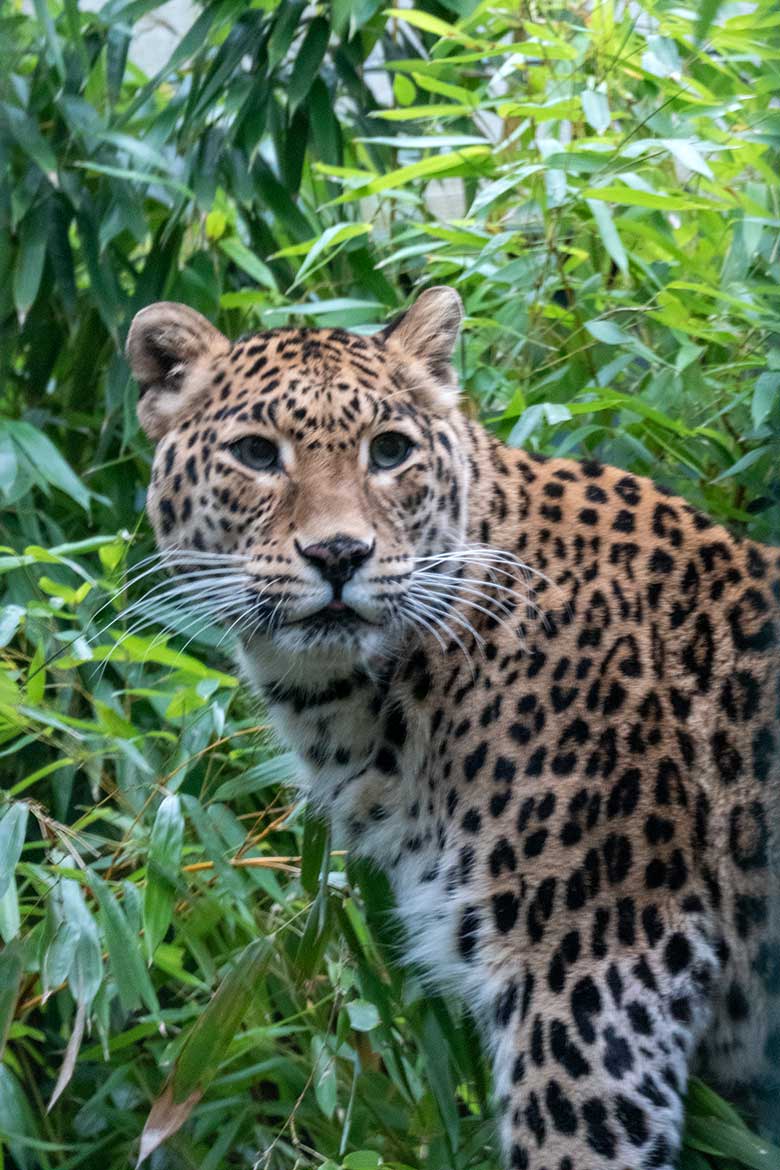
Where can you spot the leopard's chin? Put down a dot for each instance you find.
(333, 617)
(323, 644)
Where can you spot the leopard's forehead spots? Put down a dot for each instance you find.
(309, 384)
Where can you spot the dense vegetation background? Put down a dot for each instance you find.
(600, 182)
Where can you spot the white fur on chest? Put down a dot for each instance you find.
(391, 818)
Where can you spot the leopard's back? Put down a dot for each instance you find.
(646, 709)
(605, 810)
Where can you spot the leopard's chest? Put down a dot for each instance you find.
(368, 766)
(364, 766)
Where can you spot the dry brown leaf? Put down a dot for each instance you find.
(165, 1118)
(71, 1052)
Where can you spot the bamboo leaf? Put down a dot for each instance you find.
(362, 1160)
(308, 61)
(686, 153)
(146, 178)
(765, 396)
(30, 139)
(248, 262)
(162, 871)
(714, 1136)
(45, 459)
(630, 197)
(324, 1076)
(432, 24)
(36, 676)
(315, 843)
(609, 234)
(13, 825)
(132, 980)
(206, 1045)
(363, 1016)
(742, 464)
(404, 90)
(608, 332)
(11, 968)
(595, 106)
(333, 237)
(284, 29)
(30, 261)
(414, 113)
(457, 93)
(426, 167)
(708, 11)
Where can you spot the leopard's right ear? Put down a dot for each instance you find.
(168, 348)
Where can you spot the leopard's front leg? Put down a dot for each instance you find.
(592, 1038)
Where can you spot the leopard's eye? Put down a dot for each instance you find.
(256, 452)
(389, 450)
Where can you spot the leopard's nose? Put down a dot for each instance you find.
(338, 558)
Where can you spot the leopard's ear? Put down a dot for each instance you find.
(425, 336)
(168, 348)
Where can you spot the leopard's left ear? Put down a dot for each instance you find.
(168, 347)
(426, 335)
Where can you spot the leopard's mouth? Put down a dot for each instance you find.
(334, 615)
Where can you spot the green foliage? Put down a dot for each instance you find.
(613, 231)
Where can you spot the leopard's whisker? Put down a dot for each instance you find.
(482, 609)
(205, 618)
(451, 612)
(167, 592)
(148, 608)
(185, 557)
(467, 583)
(417, 617)
(206, 611)
(502, 604)
(214, 609)
(452, 596)
(156, 611)
(167, 614)
(242, 617)
(194, 574)
(437, 617)
(484, 556)
(494, 567)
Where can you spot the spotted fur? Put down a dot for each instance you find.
(572, 777)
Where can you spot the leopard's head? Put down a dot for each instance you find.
(307, 482)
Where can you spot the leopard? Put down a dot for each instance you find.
(541, 694)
